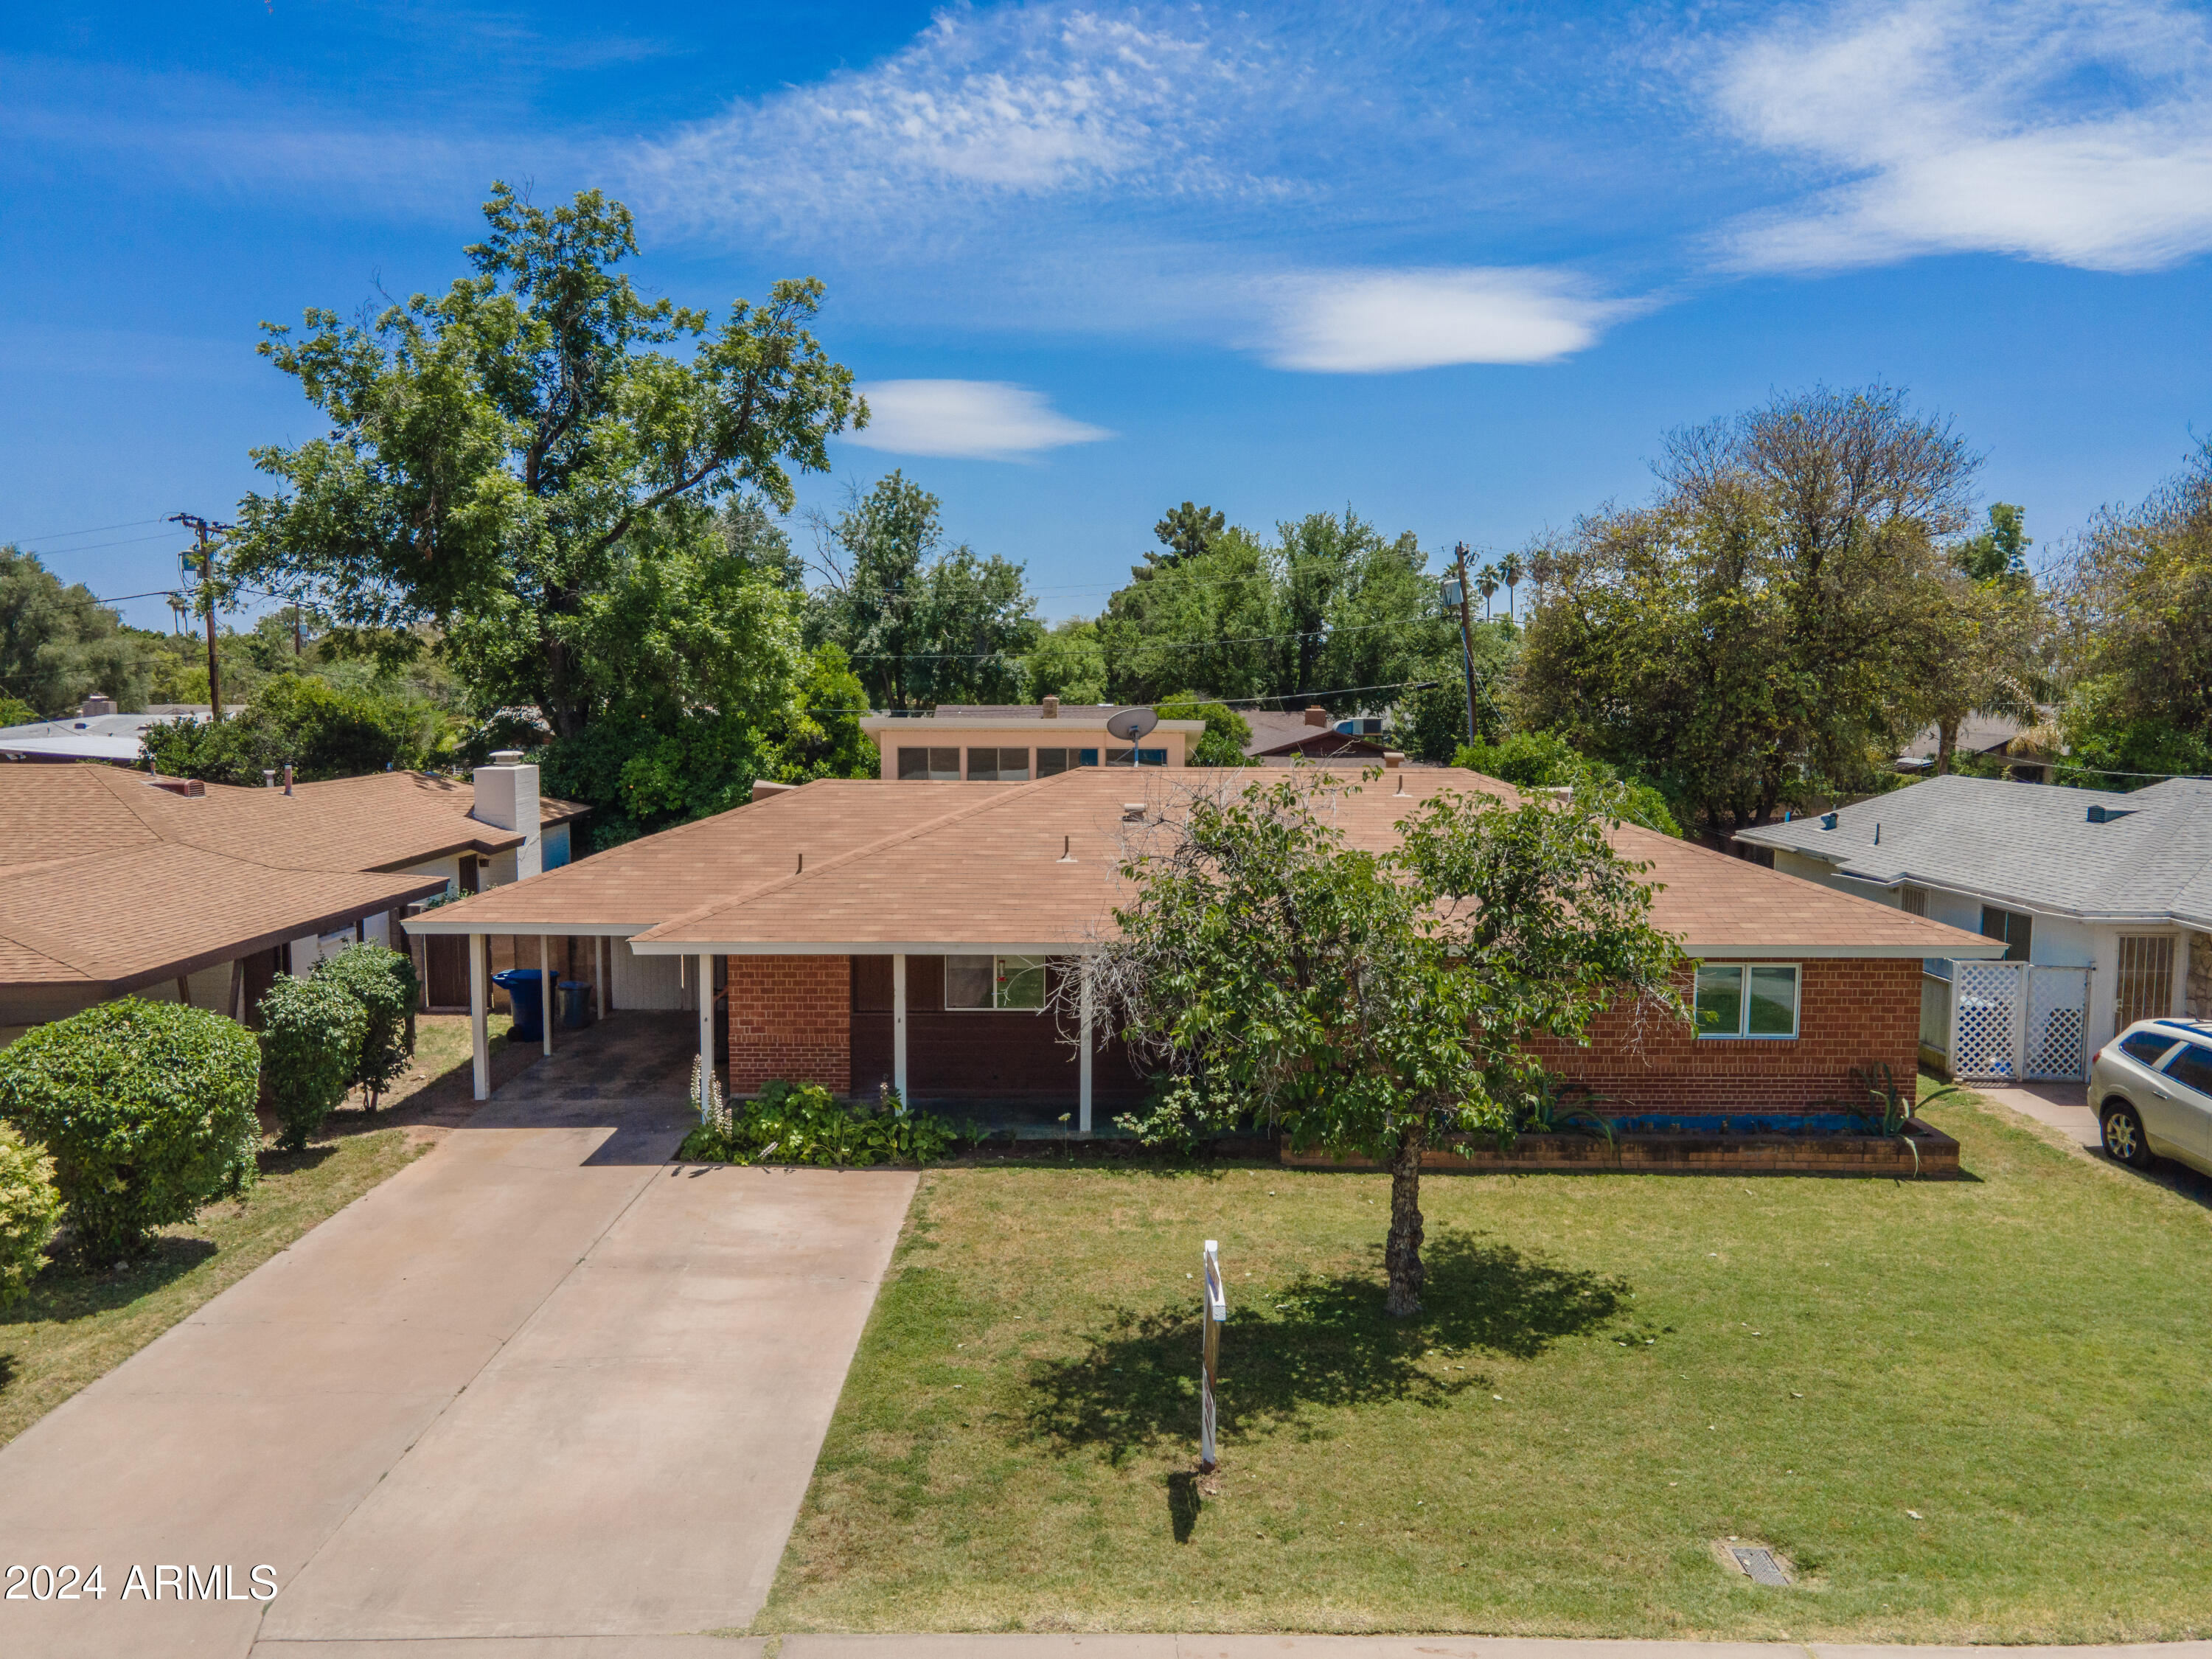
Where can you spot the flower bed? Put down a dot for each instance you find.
(1820, 1144)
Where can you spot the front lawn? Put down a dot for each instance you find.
(1612, 1373)
(77, 1325)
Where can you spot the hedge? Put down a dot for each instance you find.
(30, 1210)
(311, 1036)
(384, 983)
(147, 1110)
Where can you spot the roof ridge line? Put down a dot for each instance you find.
(843, 858)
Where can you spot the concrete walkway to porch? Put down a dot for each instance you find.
(540, 1384)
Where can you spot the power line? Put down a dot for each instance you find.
(128, 541)
(94, 529)
(1161, 645)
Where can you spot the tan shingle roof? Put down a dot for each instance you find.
(108, 879)
(937, 866)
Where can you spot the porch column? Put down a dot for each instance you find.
(479, 1032)
(899, 1023)
(706, 1033)
(1083, 1085)
(601, 966)
(545, 989)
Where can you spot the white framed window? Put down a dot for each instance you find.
(1753, 999)
(994, 982)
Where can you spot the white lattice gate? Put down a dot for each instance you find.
(2016, 1022)
(2057, 1018)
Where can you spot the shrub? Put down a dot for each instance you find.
(147, 1108)
(383, 982)
(30, 1209)
(311, 1037)
(804, 1123)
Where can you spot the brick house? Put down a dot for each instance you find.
(857, 933)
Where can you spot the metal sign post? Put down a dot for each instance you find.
(1216, 1311)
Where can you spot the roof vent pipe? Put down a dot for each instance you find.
(1877, 832)
(268, 777)
(1827, 820)
(288, 777)
(1067, 849)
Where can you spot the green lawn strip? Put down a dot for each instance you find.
(74, 1326)
(2023, 1358)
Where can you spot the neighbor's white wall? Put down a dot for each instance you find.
(648, 981)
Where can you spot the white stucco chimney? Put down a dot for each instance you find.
(507, 798)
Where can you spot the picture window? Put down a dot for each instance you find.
(1015, 983)
(1746, 999)
(931, 765)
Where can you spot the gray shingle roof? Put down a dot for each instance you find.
(2027, 846)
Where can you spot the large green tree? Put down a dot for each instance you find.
(58, 643)
(529, 464)
(1371, 1002)
(922, 624)
(1749, 639)
(2135, 602)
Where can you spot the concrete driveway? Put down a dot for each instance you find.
(541, 1384)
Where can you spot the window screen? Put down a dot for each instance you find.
(968, 982)
(998, 765)
(2146, 978)
(2192, 1068)
(994, 982)
(2017, 931)
(939, 765)
(1051, 762)
(1086, 757)
(1746, 1000)
(1144, 756)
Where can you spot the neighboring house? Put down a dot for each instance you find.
(113, 881)
(1016, 743)
(95, 733)
(1984, 737)
(2103, 902)
(1280, 739)
(858, 934)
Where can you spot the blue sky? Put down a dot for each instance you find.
(1459, 266)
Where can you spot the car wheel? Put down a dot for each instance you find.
(2123, 1135)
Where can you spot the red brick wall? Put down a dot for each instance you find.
(1850, 1012)
(791, 1017)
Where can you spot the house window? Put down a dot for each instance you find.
(994, 982)
(1144, 758)
(2146, 988)
(1913, 901)
(1051, 762)
(2016, 930)
(1746, 999)
(1087, 757)
(935, 765)
(998, 766)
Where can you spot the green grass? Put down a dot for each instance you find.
(1613, 1371)
(77, 1325)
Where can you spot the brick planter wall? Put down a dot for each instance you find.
(1851, 1011)
(1686, 1154)
(790, 1018)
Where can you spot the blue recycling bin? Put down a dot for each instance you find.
(528, 1001)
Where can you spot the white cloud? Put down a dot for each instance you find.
(982, 420)
(2075, 131)
(1377, 322)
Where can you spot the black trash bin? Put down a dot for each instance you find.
(575, 1003)
(528, 1000)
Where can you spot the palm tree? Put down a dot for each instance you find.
(1485, 583)
(1512, 571)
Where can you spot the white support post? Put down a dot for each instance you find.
(706, 1033)
(545, 988)
(898, 1023)
(603, 963)
(479, 1031)
(1083, 1084)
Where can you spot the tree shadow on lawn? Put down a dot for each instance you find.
(1322, 1341)
(65, 1290)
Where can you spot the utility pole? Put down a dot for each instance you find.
(203, 528)
(1465, 637)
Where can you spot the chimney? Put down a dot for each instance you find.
(763, 788)
(96, 703)
(1317, 715)
(1052, 708)
(506, 799)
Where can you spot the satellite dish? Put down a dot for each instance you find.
(1130, 724)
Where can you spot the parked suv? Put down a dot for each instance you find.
(2151, 1092)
